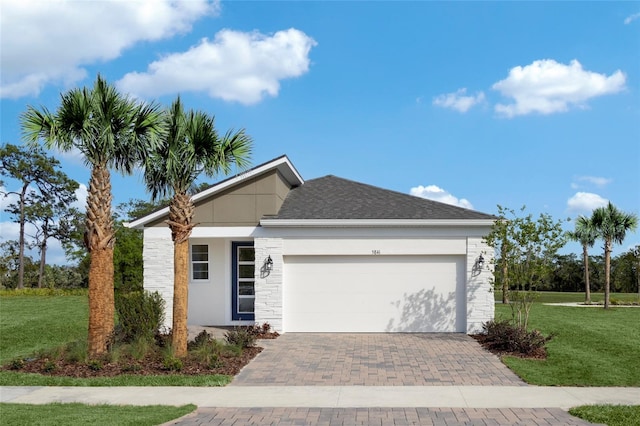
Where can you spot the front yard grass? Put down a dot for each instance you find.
(591, 346)
(82, 414)
(32, 323)
(29, 324)
(611, 415)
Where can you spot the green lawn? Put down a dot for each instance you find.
(29, 324)
(611, 415)
(592, 346)
(32, 323)
(560, 297)
(81, 414)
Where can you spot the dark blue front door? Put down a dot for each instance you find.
(243, 284)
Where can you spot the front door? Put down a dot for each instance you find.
(243, 276)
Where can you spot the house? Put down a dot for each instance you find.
(325, 255)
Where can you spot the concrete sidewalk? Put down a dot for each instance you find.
(330, 396)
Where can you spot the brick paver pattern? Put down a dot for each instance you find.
(375, 359)
(380, 416)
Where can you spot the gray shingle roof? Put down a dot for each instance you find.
(331, 197)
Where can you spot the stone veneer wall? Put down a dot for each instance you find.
(157, 256)
(268, 287)
(480, 298)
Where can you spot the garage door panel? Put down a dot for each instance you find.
(374, 293)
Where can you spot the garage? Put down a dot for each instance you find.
(400, 293)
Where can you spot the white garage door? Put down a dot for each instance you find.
(374, 294)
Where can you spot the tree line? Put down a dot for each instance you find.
(527, 253)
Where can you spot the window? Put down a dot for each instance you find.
(200, 262)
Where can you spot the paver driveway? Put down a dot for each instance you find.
(381, 417)
(375, 359)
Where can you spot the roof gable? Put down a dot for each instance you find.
(280, 164)
(334, 198)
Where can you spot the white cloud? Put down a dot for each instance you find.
(234, 66)
(629, 19)
(600, 182)
(46, 41)
(81, 195)
(433, 192)
(584, 202)
(458, 100)
(7, 199)
(547, 87)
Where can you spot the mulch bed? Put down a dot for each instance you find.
(227, 363)
(540, 354)
(149, 365)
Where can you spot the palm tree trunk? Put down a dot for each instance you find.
(180, 297)
(607, 272)
(101, 308)
(587, 288)
(100, 238)
(181, 223)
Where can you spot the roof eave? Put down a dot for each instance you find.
(371, 223)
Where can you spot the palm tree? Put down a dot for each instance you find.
(612, 225)
(585, 234)
(191, 147)
(110, 131)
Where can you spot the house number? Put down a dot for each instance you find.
(375, 252)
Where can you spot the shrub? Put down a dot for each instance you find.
(503, 336)
(202, 339)
(49, 366)
(140, 315)
(132, 368)
(16, 364)
(140, 347)
(43, 292)
(261, 330)
(95, 364)
(76, 351)
(240, 336)
(206, 349)
(172, 363)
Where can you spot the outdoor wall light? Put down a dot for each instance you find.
(480, 261)
(268, 264)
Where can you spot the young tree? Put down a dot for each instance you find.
(45, 213)
(192, 146)
(612, 225)
(527, 248)
(585, 233)
(501, 239)
(110, 130)
(41, 185)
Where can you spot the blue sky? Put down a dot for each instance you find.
(471, 103)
